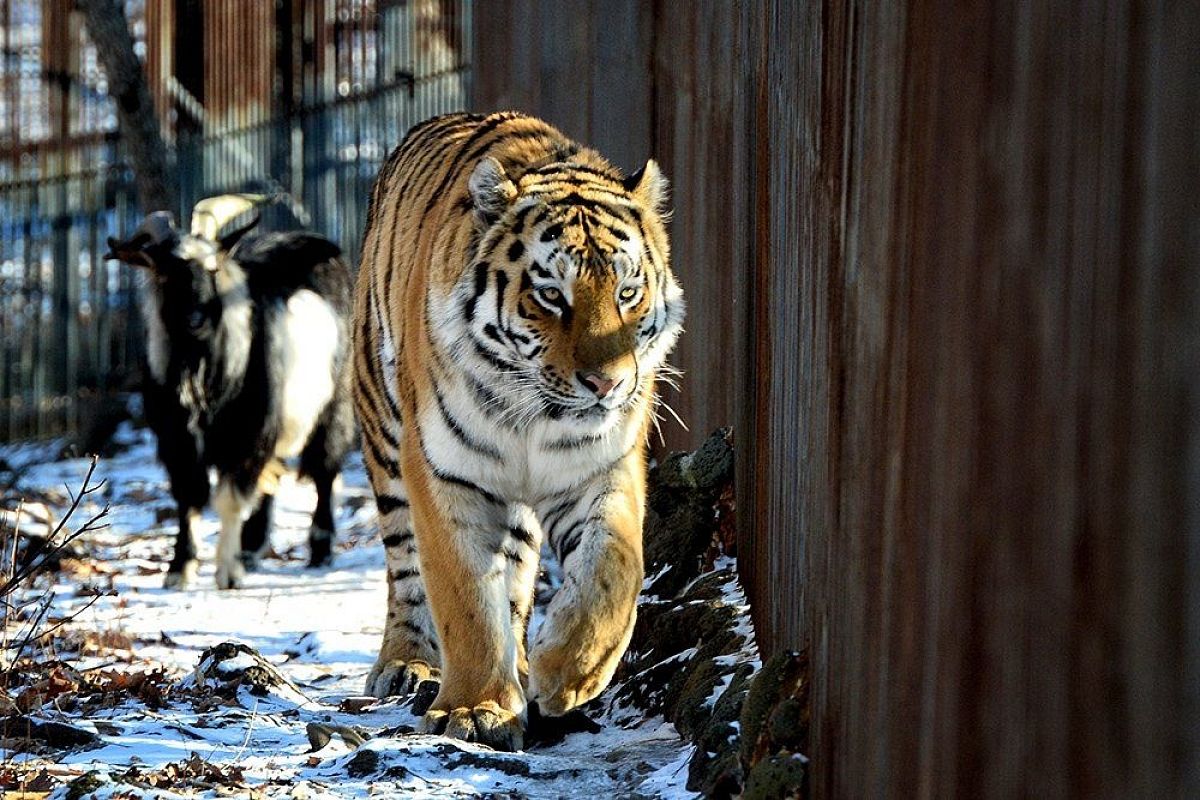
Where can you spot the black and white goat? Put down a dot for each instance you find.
(248, 364)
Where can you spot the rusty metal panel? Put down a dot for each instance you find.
(944, 280)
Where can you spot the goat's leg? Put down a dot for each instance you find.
(181, 572)
(234, 506)
(256, 534)
(189, 485)
(322, 461)
(321, 533)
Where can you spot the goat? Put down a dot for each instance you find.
(248, 364)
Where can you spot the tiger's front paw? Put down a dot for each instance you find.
(486, 724)
(559, 683)
(395, 677)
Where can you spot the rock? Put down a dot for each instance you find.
(320, 734)
(232, 666)
(542, 731)
(85, 785)
(683, 514)
(715, 769)
(365, 762)
(777, 777)
(58, 735)
(775, 716)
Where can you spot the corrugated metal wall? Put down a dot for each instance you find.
(944, 268)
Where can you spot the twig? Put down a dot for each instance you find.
(249, 731)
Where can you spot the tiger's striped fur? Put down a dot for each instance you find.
(513, 305)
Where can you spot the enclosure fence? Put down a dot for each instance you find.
(300, 100)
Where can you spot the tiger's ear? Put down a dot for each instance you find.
(491, 190)
(649, 187)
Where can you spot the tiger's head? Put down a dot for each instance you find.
(570, 296)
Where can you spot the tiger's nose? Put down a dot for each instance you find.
(600, 385)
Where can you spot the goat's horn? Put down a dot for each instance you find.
(211, 213)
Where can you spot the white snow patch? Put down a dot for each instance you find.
(321, 629)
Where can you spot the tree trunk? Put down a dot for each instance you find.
(143, 139)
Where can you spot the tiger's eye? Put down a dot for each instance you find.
(627, 294)
(550, 294)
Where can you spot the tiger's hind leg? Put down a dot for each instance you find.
(410, 654)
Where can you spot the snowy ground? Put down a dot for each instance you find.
(322, 630)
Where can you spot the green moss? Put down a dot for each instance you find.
(715, 770)
(776, 777)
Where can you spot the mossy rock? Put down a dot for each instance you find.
(688, 695)
(688, 625)
(775, 714)
(648, 614)
(715, 769)
(677, 538)
(710, 586)
(647, 690)
(681, 513)
(777, 777)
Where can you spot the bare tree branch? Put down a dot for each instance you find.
(143, 139)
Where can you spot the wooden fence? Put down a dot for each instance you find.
(943, 266)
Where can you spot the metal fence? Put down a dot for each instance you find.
(299, 99)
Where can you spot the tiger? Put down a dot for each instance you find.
(513, 307)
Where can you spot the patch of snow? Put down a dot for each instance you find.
(320, 628)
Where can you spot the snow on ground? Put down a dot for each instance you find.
(320, 628)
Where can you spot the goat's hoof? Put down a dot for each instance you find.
(230, 576)
(318, 561)
(251, 561)
(486, 723)
(320, 545)
(181, 576)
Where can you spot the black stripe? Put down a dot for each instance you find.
(523, 536)
(387, 503)
(464, 158)
(446, 477)
(492, 333)
(573, 168)
(555, 514)
(404, 574)
(488, 401)
(467, 441)
(389, 465)
(490, 357)
(571, 539)
(519, 220)
(501, 287)
(456, 480)
(516, 250)
(397, 539)
(513, 556)
(573, 442)
(481, 271)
